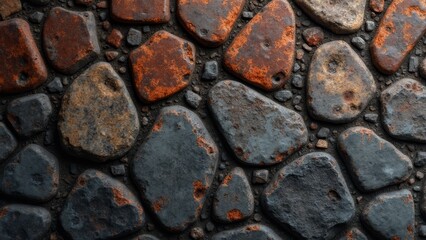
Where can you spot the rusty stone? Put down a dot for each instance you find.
(22, 67)
(70, 39)
(353, 234)
(9, 7)
(263, 52)
(313, 36)
(115, 38)
(155, 76)
(141, 11)
(210, 22)
(377, 5)
(402, 26)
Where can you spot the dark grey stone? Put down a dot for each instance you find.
(413, 64)
(258, 130)
(353, 234)
(55, 86)
(146, 29)
(145, 237)
(371, 117)
(100, 207)
(175, 166)
(211, 70)
(118, 170)
(260, 176)
(36, 17)
(254, 232)
(30, 114)
(24, 222)
(134, 37)
(283, 95)
(359, 43)
(309, 197)
(8, 142)
(193, 99)
(420, 159)
(372, 162)
(33, 174)
(297, 81)
(390, 216)
(370, 26)
(323, 133)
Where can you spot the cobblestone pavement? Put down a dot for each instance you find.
(212, 119)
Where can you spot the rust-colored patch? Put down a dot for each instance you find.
(227, 179)
(253, 228)
(377, 5)
(202, 142)
(119, 198)
(234, 215)
(157, 126)
(395, 238)
(199, 190)
(141, 11)
(159, 204)
(3, 212)
(115, 38)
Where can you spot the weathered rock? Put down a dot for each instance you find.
(33, 174)
(353, 234)
(377, 5)
(372, 162)
(98, 119)
(263, 52)
(145, 237)
(30, 114)
(193, 99)
(283, 95)
(340, 86)
(134, 37)
(8, 142)
(310, 197)
(402, 26)
(177, 144)
(23, 69)
(260, 176)
(141, 11)
(341, 17)
(66, 52)
(258, 130)
(254, 231)
(403, 111)
(210, 22)
(115, 38)
(313, 36)
(9, 7)
(390, 215)
(211, 70)
(24, 222)
(234, 199)
(155, 76)
(100, 207)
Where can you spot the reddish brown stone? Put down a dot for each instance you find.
(9, 7)
(313, 36)
(162, 66)
(402, 26)
(210, 22)
(114, 38)
(377, 5)
(263, 52)
(141, 11)
(21, 65)
(84, 2)
(70, 39)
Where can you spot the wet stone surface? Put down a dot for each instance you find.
(255, 231)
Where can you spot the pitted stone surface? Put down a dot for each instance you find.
(353, 234)
(263, 52)
(340, 86)
(98, 119)
(141, 11)
(391, 215)
(210, 22)
(24, 222)
(234, 199)
(310, 197)
(373, 162)
(258, 130)
(8, 142)
(100, 207)
(33, 175)
(178, 143)
(254, 231)
(403, 110)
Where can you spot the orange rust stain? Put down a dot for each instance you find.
(202, 142)
(199, 190)
(227, 179)
(159, 204)
(154, 11)
(253, 228)
(408, 199)
(3, 212)
(119, 198)
(157, 126)
(234, 215)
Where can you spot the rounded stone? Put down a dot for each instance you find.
(254, 231)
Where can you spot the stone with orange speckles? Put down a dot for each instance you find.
(254, 231)
(115, 38)
(390, 216)
(22, 67)
(353, 234)
(258, 130)
(339, 86)
(100, 207)
(233, 201)
(402, 26)
(210, 22)
(141, 11)
(70, 40)
(174, 167)
(377, 5)
(162, 66)
(263, 52)
(372, 162)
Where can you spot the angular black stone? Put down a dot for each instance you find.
(310, 197)
(211, 70)
(175, 166)
(353, 234)
(8, 142)
(55, 86)
(254, 232)
(258, 130)
(260, 176)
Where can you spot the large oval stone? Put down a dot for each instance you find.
(98, 119)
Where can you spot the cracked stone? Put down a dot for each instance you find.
(9, 7)
(339, 86)
(254, 231)
(8, 142)
(141, 11)
(353, 234)
(313, 36)
(100, 207)
(309, 191)
(258, 130)
(98, 119)
(177, 143)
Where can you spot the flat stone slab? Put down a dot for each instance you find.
(353, 234)
(402, 26)
(339, 86)
(98, 119)
(403, 111)
(254, 231)
(263, 52)
(174, 167)
(309, 197)
(100, 207)
(8, 142)
(141, 11)
(372, 162)
(258, 130)
(390, 215)
(155, 76)
(18, 221)
(210, 22)
(33, 175)
(234, 199)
